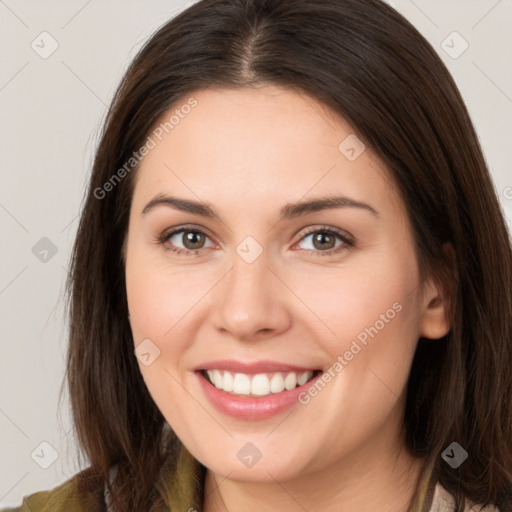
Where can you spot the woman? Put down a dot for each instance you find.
(290, 286)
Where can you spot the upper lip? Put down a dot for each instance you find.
(252, 367)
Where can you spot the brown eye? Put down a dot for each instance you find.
(323, 241)
(185, 240)
(193, 239)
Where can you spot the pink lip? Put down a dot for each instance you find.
(251, 408)
(250, 368)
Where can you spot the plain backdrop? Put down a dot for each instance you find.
(60, 64)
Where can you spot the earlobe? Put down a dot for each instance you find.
(435, 319)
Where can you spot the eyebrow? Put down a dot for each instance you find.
(289, 211)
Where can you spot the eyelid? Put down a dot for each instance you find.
(184, 227)
(168, 233)
(322, 227)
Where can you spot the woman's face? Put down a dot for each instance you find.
(252, 283)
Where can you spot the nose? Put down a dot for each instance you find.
(251, 301)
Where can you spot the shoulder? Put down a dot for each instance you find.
(443, 501)
(69, 495)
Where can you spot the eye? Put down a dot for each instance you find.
(323, 241)
(192, 239)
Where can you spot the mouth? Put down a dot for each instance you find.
(257, 384)
(254, 390)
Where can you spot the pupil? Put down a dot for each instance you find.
(320, 238)
(190, 237)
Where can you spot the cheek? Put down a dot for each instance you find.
(159, 302)
(377, 338)
(370, 326)
(163, 300)
(360, 302)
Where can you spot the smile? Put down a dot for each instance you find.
(253, 391)
(260, 384)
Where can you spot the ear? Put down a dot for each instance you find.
(435, 318)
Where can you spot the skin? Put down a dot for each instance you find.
(246, 153)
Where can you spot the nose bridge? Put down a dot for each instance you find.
(249, 300)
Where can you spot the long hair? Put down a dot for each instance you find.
(366, 62)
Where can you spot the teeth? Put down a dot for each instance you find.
(303, 378)
(276, 383)
(261, 384)
(241, 384)
(291, 381)
(227, 382)
(217, 379)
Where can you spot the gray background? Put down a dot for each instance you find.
(51, 111)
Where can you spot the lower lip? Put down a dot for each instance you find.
(252, 408)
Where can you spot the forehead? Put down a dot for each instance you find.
(257, 145)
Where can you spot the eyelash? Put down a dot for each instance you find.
(348, 242)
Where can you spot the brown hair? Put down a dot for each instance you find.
(366, 62)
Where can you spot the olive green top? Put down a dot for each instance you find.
(183, 492)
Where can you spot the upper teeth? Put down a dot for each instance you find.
(260, 384)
